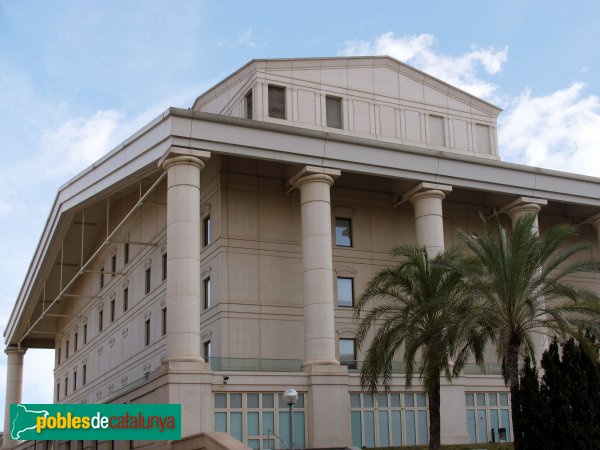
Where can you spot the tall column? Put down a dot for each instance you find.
(429, 219)
(317, 266)
(327, 380)
(14, 385)
(183, 168)
(516, 210)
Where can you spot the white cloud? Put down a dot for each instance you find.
(464, 71)
(559, 131)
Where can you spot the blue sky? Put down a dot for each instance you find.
(77, 77)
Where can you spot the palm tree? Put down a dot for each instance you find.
(523, 284)
(425, 306)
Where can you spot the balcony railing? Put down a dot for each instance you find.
(295, 365)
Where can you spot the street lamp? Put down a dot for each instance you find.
(291, 396)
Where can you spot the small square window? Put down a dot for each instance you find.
(345, 292)
(333, 107)
(147, 278)
(348, 353)
(207, 302)
(277, 102)
(343, 232)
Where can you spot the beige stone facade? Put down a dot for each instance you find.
(211, 259)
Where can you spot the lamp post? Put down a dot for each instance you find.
(291, 396)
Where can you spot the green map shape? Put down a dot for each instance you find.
(24, 420)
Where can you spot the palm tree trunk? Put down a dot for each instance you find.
(434, 416)
(512, 367)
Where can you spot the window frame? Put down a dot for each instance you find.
(351, 279)
(341, 112)
(206, 292)
(350, 238)
(272, 112)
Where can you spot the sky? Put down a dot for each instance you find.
(78, 77)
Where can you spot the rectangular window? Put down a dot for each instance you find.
(260, 419)
(101, 277)
(147, 281)
(206, 284)
(348, 353)
(484, 144)
(67, 350)
(277, 102)
(164, 266)
(58, 356)
(147, 333)
(113, 265)
(84, 333)
(343, 232)
(66, 391)
(125, 299)
(74, 380)
(249, 111)
(386, 419)
(333, 107)
(488, 416)
(100, 320)
(345, 292)
(207, 349)
(112, 311)
(57, 391)
(126, 253)
(436, 130)
(84, 374)
(75, 339)
(206, 235)
(163, 322)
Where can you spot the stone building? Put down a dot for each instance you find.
(213, 258)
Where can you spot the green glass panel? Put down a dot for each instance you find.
(299, 429)
(382, 400)
(268, 419)
(235, 400)
(355, 400)
(252, 401)
(369, 429)
(236, 426)
(470, 399)
(395, 398)
(384, 431)
(409, 400)
(221, 422)
(422, 425)
(267, 401)
(503, 399)
(220, 400)
(421, 400)
(356, 429)
(396, 427)
(471, 425)
(252, 418)
(411, 436)
(254, 444)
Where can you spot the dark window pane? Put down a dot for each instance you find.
(343, 232)
(277, 102)
(333, 106)
(249, 111)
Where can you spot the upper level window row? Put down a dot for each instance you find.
(277, 106)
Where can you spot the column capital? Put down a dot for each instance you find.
(14, 350)
(178, 155)
(524, 205)
(313, 173)
(426, 189)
